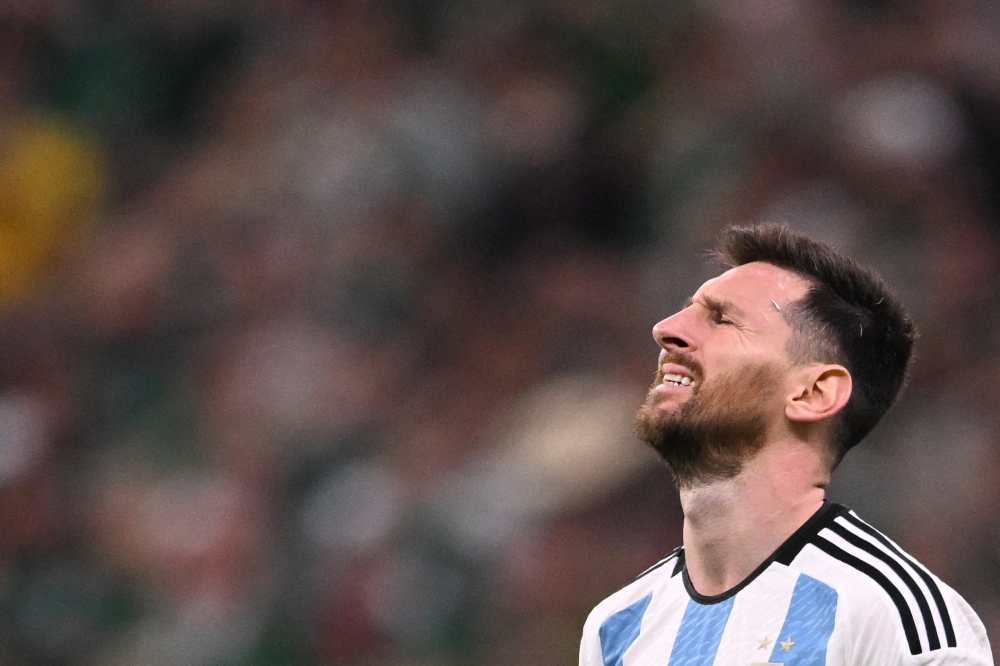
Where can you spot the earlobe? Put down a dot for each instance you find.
(823, 392)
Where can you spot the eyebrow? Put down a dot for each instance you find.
(716, 305)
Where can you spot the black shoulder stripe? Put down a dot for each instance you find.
(679, 567)
(676, 552)
(789, 550)
(909, 628)
(933, 642)
(949, 629)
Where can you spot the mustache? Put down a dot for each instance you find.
(683, 359)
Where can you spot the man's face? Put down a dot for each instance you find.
(723, 373)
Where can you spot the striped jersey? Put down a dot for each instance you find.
(836, 593)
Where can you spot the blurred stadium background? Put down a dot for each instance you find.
(322, 323)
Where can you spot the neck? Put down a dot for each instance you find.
(732, 525)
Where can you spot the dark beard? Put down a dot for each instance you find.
(716, 430)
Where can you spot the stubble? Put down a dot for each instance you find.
(715, 431)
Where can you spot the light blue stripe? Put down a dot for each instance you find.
(619, 631)
(700, 633)
(808, 624)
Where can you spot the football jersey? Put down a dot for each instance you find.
(836, 593)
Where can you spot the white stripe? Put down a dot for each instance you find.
(913, 562)
(666, 559)
(918, 617)
(909, 568)
(660, 625)
(756, 619)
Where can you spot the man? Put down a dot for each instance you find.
(767, 376)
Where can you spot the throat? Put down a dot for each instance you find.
(729, 531)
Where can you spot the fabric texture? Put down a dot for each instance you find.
(837, 593)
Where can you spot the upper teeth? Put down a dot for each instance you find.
(672, 378)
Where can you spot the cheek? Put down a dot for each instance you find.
(754, 389)
(748, 373)
(730, 349)
(741, 351)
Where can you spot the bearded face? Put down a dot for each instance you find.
(718, 428)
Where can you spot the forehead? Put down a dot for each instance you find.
(755, 285)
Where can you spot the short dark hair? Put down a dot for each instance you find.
(849, 316)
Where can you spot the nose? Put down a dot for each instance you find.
(675, 332)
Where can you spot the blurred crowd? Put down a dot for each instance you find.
(322, 322)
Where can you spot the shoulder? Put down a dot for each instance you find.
(655, 577)
(629, 604)
(673, 562)
(889, 601)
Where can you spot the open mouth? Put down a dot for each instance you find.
(674, 379)
(677, 370)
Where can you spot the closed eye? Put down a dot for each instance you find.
(718, 309)
(719, 318)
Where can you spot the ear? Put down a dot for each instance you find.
(821, 391)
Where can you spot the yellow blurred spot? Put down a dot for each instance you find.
(51, 183)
